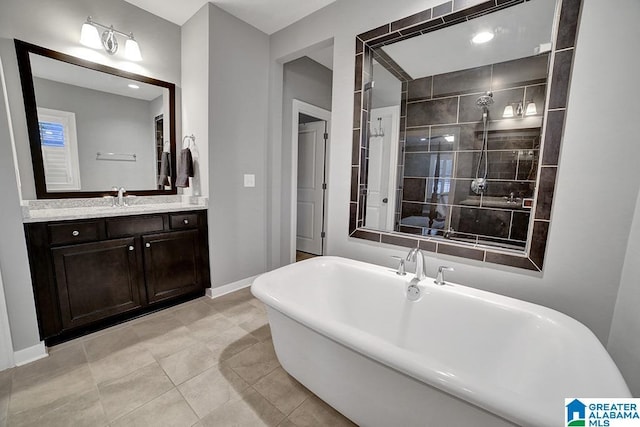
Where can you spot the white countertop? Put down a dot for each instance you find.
(69, 209)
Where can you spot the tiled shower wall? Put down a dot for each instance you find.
(442, 146)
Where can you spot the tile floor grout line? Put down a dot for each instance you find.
(248, 326)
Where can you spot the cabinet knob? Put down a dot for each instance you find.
(75, 233)
(148, 245)
(186, 221)
(130, 248)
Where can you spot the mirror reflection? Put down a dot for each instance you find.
(455, 128)
(98, 130)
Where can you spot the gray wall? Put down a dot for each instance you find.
(14, 264)
(310, 82)
(106, 123)
(624, 344)
(56, 25)
(585, 251)
(195, 99)
(238, 102)
(388, 89)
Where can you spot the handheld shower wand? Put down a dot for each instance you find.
(479, 184)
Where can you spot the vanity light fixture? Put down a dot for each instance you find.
(482, 37)
(90, 37)
(514, 110)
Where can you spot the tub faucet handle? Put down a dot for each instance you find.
(401, 270)
(440, 277)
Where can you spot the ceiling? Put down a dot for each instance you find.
(60, 71)
(268, 16)
(520, 31)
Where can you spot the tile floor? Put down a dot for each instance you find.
(203, 363)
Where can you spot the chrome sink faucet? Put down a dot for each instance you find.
(121, 200)
(416, 255)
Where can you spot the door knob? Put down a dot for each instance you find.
(75, 233)
(385, 200)
(130, 248)
(148, 245)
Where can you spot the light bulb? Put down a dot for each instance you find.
(482, 37)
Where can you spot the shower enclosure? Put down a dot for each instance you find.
(466, 167)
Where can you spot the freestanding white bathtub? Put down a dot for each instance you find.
(456, 357)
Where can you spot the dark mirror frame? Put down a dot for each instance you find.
(441, 16)
(23, 49)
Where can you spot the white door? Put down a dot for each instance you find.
(311, 147)
(383, 160)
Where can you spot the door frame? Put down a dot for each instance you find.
(322, 114)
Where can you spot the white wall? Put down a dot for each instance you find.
(592, 213)
(238, 102)
(56, 25)
(310, 82)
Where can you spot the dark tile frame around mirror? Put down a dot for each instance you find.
(23, 49)
(441, 16)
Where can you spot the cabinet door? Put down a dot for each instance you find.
(96, 280)
(172, 264)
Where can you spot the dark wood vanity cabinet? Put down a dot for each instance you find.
(95, 280)
(89, 274)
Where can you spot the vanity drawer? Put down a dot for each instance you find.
(119, 227)
(182, 221)
(76, 232)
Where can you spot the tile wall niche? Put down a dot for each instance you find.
(513, 154)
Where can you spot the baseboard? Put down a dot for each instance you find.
(231, 287)
(30, 354)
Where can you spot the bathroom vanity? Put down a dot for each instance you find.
(112, 264)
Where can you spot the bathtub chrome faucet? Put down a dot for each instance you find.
(414, 293)
(416, 255)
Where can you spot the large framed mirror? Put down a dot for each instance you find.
(458, 118)
(93, 127)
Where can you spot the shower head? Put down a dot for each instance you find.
(484, 101)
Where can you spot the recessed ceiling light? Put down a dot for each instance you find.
(482, 37)
(132, 86)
